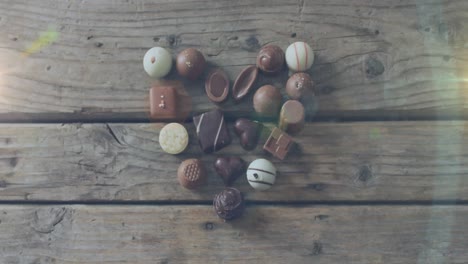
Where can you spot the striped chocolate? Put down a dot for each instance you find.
(299, 57)
(261, 174)
(212, 132)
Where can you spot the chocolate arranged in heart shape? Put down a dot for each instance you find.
(229, 168)
(249, 133)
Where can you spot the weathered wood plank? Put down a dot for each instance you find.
(266, 234)
(363, 161)
(374, 58)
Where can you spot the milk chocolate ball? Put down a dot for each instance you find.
(267, 101)
(270, 59)
(299, 84)
(190, 63)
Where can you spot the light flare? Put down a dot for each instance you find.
(45, 39)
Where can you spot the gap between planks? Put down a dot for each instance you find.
(248, 203)
(326, 116)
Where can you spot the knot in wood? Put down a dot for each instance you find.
(374, 67)
(317, 249)
(365, 173)
(252, 44)
(317, 186)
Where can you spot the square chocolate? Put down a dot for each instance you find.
(278, 143)
(163, 102)
(212, 131)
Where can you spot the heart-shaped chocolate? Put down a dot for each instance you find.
(248, 132)
(229, 168)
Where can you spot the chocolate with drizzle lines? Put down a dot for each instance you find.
(212, 131)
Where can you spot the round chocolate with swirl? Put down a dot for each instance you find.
(191, 173)
(229, 204)
(270, 59)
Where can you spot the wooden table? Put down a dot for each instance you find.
(381, 175)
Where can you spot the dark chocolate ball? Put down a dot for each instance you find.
(191, 173)
(270, 59)
(267, 101)
(190, 63)
(229, 204)
(299, 84)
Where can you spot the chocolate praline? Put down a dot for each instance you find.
(191, 173)
(278, 143)
(190, 63)
(229, 168)
(292, 117)
(299, 84)
(229, 204)
(248, 132)
(270, 59)
(212, 131)
(217, 86)
(244, 82)
(267, 101)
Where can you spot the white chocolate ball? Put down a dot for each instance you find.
(173, 138)
(299, 56)
(261, 174)
(157, 62)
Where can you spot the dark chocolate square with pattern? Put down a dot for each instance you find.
(212, 131)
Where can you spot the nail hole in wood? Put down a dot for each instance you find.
(209, 226)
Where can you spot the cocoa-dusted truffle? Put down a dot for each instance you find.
(267, 101)
(229, 204)
(270, 59)
(191, 173)
(190, 63)
(299, 84)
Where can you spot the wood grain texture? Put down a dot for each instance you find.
(266, 234)
(362, 161)
(373, 58)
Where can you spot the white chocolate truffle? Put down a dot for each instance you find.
(157, 62)
(173, 138)
(299, 56)
(261, 174)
